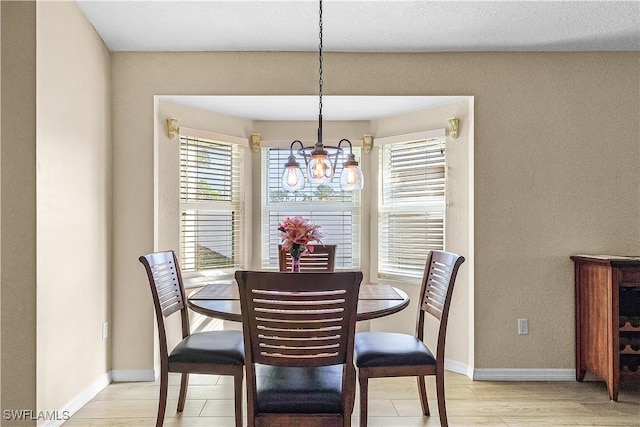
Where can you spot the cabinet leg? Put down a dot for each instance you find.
(613, 388)
(580, 374)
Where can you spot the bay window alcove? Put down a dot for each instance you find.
(417, 196)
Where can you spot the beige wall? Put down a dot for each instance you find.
(556, 173)
(549, 130)
(73, 206)
(18, 203)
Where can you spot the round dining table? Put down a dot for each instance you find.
(221, 300)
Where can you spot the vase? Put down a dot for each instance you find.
(295, 264)
(296, 252)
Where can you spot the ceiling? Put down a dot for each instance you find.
(366, 26)
(358, 26)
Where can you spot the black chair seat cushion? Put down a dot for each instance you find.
(219, 347)
(374, 349)
(299, 390)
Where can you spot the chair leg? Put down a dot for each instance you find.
(184, 384)
(422, 390)
(364, 397)
(237, 390)
(442, 405)
(350, 397)
(162, 401)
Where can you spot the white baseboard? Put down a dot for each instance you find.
(78, 402)
(132, 375)
(512, 374)
(524, 375)
(93, 389)
(457, 367)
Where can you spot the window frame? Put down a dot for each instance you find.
(268, 232)
(377, 207)
(241, 145)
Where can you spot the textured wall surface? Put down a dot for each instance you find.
(550, 129)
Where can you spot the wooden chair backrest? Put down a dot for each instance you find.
(322, 259)
(302, 319)
(167, 290)
(438, 280)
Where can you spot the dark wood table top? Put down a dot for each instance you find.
(221, 300)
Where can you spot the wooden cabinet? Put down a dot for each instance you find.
(607, 291)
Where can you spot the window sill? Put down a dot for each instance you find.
(198, 280)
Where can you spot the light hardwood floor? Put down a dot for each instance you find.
(393, 402)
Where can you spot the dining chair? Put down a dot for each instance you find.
(321, 259)
(390, 354)
(298, 341)
(211, 352)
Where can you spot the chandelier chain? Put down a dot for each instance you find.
(320, 82)
(318, 158)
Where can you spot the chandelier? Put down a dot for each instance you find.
(320, 160)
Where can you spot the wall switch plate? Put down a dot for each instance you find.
(523, 326)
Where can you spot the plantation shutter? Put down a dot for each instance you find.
(337, 212)
(210, 200)
(411, 205)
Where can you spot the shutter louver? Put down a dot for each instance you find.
(412, 200)
(210, 198)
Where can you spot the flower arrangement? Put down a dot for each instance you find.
(297, 234)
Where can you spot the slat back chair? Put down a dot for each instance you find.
(299, 331)
(321, 259)
(386, 354)
(212, 352)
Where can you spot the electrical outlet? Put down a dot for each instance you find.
(523, 326)
(105, 330)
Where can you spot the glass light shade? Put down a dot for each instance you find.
(292, 178)
(351, 178)
(320, 169)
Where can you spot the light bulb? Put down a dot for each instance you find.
(320, 169)
(351, 177)
(292, 179)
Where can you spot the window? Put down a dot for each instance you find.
(211, 199)
(337, 212)
(411, 202)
